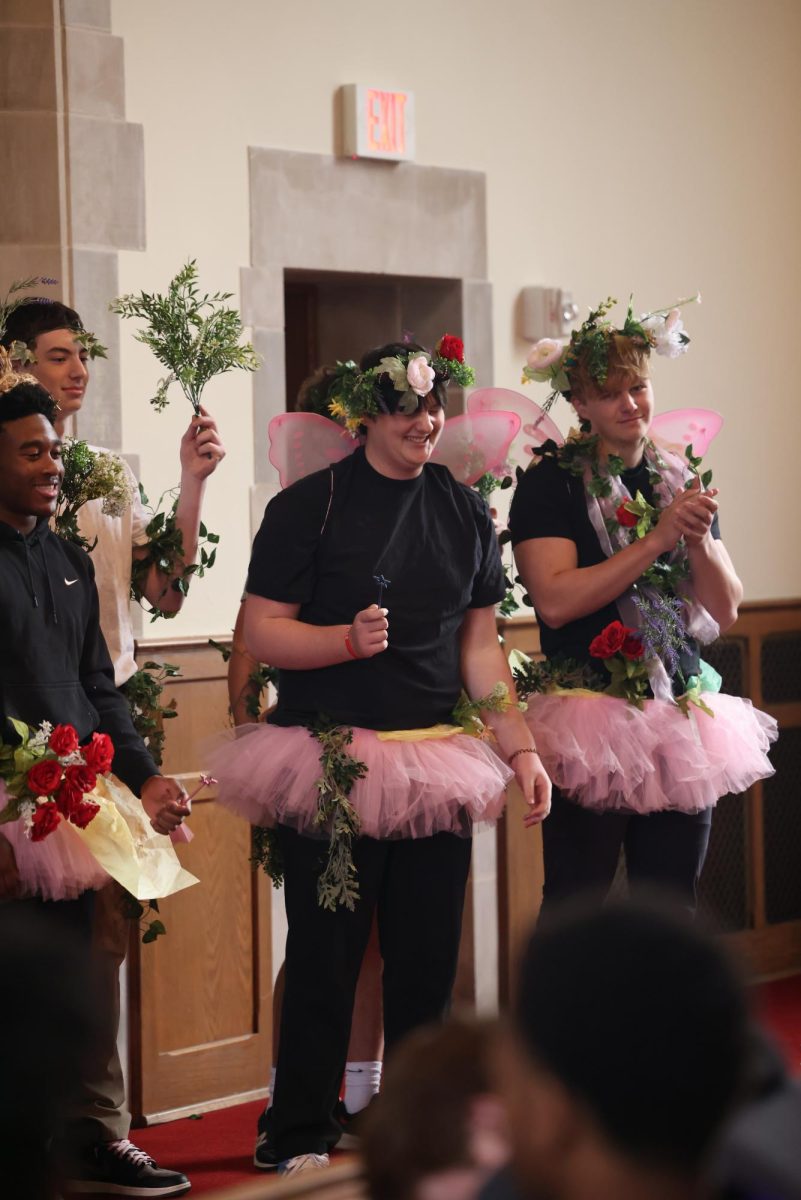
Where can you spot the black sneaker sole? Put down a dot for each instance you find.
(103, 1188)
(263, 1166)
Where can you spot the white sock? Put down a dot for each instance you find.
(362, 1081)
(271, 1086)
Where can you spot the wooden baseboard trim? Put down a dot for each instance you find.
(204, 1106)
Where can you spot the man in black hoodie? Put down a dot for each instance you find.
(55, 665)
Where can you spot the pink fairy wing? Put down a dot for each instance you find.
(536, 426)
(682, 427)
(472, 444)
(301, 443)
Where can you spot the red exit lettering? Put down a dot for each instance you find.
(386, 122)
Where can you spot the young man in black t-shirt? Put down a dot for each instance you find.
(617, 543)
(372, 588)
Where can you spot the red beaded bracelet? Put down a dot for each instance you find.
(349, 646)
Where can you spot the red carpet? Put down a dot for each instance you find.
(216, 1151)
(779, 1007)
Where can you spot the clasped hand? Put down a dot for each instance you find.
(689, 515)
(369, 633)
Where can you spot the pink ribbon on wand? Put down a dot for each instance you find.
(183, 833)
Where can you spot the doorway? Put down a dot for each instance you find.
(332, 316)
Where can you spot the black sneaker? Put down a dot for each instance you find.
(122, 1169)
(265, 1158)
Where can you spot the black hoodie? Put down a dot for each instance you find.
(54, 665)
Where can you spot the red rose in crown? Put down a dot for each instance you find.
(451, 347)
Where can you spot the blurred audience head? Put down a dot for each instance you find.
(626, 1054)
(436, 1131)
(48, 1019)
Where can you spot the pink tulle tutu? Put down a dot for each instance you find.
(268, 774)
(58, 868)
(607, 754)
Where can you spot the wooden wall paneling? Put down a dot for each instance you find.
(200, 997)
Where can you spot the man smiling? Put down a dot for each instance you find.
(56, 667)
(62, 349)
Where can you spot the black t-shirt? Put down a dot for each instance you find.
(433, 539)
(549, 502)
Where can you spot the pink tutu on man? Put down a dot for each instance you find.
(607, 754)
(413, 788)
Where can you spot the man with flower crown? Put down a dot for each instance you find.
(55, 668)
(372, 587)
(616, 539)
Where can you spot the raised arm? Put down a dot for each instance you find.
(483, 665)
(201, 452)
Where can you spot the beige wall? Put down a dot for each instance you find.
(632, 145)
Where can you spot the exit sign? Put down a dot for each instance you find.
(377, 123)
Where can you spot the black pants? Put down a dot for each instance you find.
(417, 887)
(581, 848)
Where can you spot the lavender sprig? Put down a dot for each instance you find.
(663, 629)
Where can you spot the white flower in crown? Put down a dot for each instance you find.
(420, 375)
(666, 333)
(544, 353)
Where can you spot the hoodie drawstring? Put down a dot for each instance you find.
(31, 584)
(50, 592)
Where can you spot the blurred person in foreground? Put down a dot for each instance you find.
(626, 1054)
(45, 1041)
(436, 1130)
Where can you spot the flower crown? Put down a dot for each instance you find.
(354, 394)
(551, 361)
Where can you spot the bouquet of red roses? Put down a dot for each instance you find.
(48, 775)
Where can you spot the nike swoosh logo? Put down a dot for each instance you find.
(69, 582)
